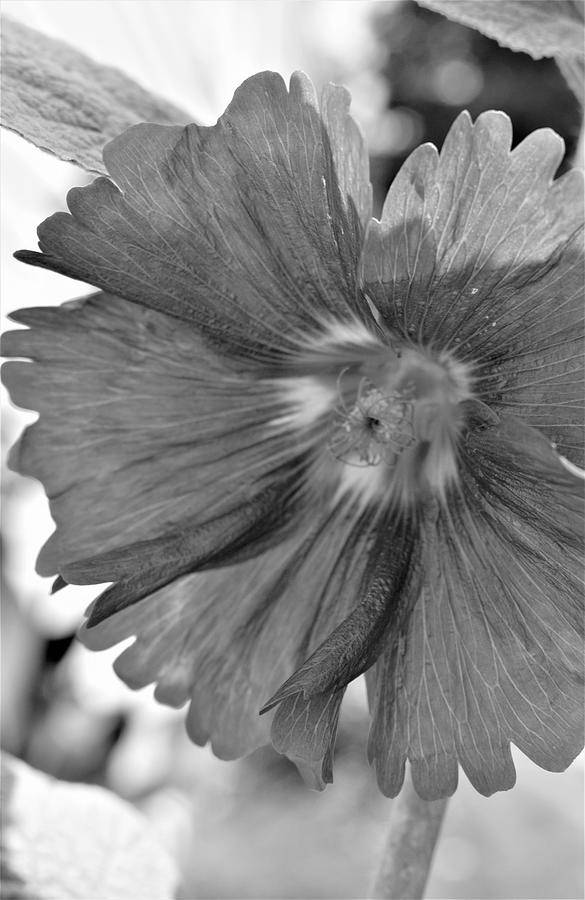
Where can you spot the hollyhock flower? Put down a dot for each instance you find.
(304, 444)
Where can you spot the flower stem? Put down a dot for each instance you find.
(412, 834)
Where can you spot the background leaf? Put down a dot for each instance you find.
(573, 70)
(65, 840)
(538, 27)
(63, 102)
(541, 28)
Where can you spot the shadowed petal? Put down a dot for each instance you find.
(305, 724)
(247, 229)
(492, 652)
(349, 157)
(355, 644)
(479, 251)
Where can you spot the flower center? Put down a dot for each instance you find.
(387, 417)
(403, 421)
(375, 429)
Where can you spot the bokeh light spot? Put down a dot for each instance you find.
(457, 82)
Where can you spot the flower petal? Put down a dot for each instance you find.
(349, 156)
(225, 639)
(479, 251)
(305, 724)
(138, 430)
(305, 728)
(492, 652)
(246, 227)
(355, 644)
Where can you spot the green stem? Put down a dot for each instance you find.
(412, 834)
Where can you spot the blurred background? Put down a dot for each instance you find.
(250, 828)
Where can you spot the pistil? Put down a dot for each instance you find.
(387, 415)
(408, 423)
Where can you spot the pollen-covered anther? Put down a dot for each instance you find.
(377, 428)
(404, 429)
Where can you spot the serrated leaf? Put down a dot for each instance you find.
(538, 27)
(65, 103)
(74, 840)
